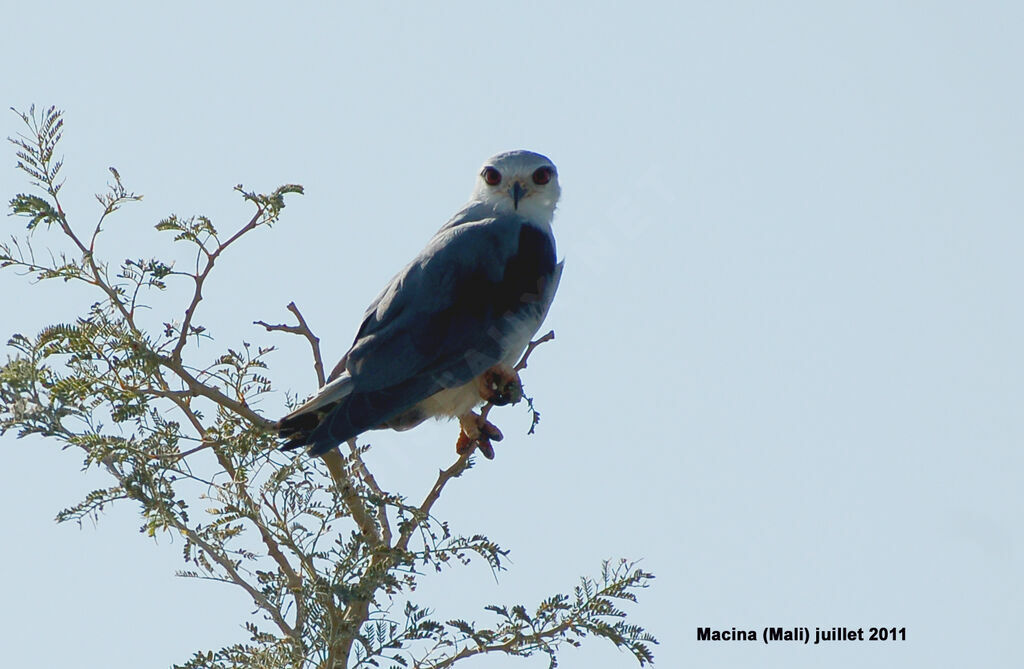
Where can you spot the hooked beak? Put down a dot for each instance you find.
(517, 194)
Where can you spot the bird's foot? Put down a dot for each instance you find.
(477, 432)
(500, 385)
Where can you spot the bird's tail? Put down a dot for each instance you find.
(297, 427)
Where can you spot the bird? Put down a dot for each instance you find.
(443, 335)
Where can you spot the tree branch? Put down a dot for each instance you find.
(423, 511)
(521, 365)
(273, 550)
(512, 645)
(228, 566)
(200, 279)
(216, 555)
(350, 495)
(371, 482)
(303, 330)
(199, 388)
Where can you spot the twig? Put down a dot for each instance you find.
(199, 388)
(521, 365)
(303, 330)
(183, 454)
(353, 501)
(216, 555)
(443, 476)
(538, 639)
(332, 459)
(273, 550)
(226, 564)
(371, 482)
(200, 279)
(359, 610)
(294, 578)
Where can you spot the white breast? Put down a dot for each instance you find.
(452, 402)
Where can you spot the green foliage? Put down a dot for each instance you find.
(35, 208)
(557, 620)
(37, 150)
(195, 229)
(320, 547)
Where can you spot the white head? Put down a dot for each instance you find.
(519, 182)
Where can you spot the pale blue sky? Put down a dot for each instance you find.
(788, 372)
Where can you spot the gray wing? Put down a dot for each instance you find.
(449, 312)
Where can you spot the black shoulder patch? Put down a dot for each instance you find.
(479, 299)
(529, 270)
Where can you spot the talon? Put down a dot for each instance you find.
(500, 385)
(491, 431)
(477, 433)
(486, 448)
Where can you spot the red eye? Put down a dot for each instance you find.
(491, 176)
(542, 175)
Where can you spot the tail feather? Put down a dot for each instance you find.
(297, 427)
(338, 413)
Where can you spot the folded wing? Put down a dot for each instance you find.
(471, 299)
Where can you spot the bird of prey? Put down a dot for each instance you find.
(444, 334)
